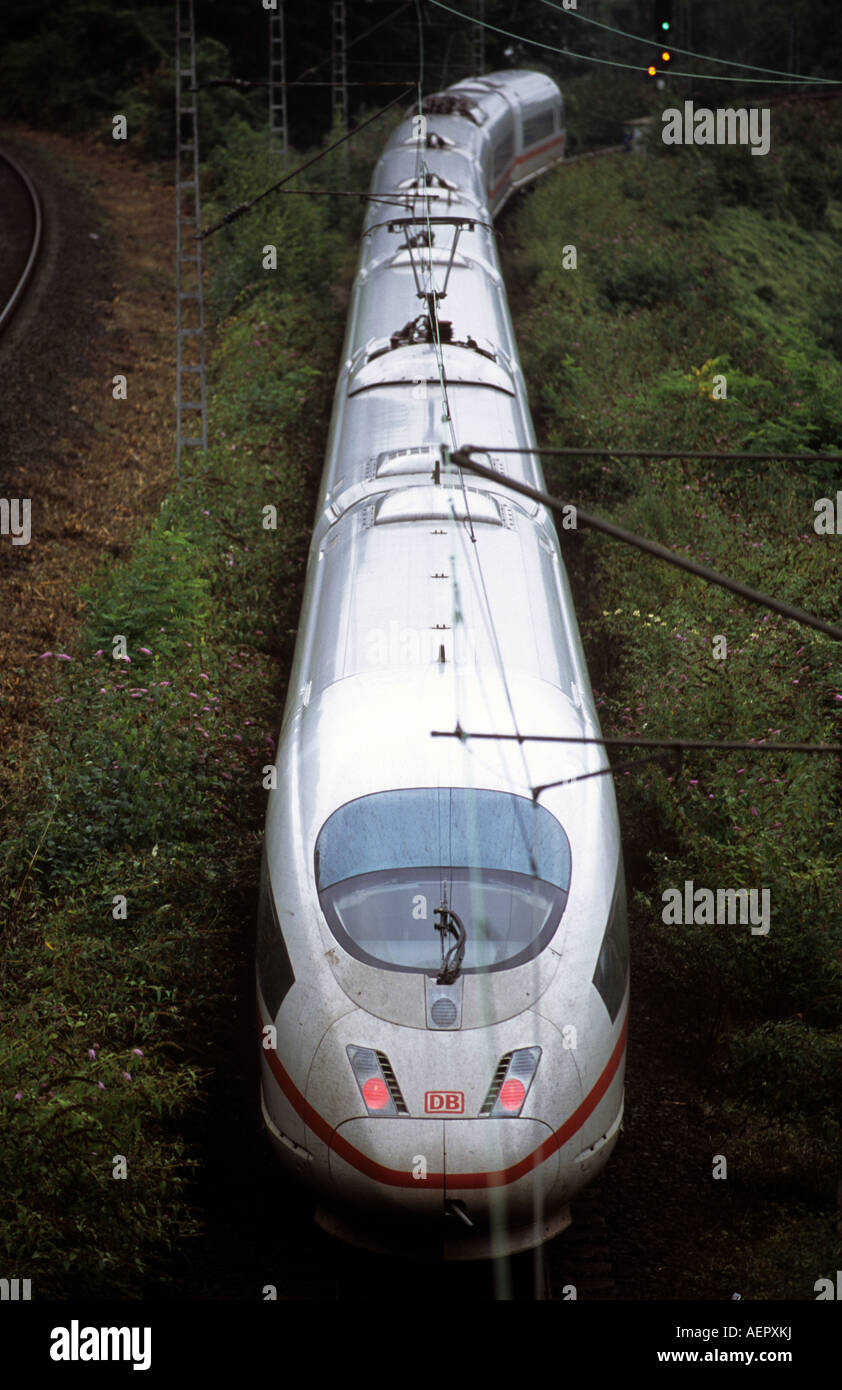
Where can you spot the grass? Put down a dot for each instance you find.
(130, 880)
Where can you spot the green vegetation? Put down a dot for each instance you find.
(73, 66)
(681, 279)
(147, 782)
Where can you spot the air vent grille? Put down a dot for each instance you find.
(392, 1083)
(494, 1089)
(444, 1013)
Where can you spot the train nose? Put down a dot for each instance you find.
(499, 1176)
(458, 1186)
(387, 1178)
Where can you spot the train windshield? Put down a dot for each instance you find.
(385, 862)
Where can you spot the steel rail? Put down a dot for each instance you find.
(12, 302)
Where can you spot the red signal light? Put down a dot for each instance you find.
(512, 1093)
(375, 1093)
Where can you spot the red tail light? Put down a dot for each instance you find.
(376, 1093)
(512, 1094)
(512, 1080)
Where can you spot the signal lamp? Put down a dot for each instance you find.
(368, 1069)
(512, 1079)
(512, 1093)
(376, 1093)
(665, 57)
(651, 71)
(662, 15)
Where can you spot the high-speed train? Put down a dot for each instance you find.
(442, 955)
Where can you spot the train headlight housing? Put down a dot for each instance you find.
(377, 1082)
(512, 1079)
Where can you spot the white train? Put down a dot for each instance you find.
(442, 957)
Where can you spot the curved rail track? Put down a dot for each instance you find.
(20, 234)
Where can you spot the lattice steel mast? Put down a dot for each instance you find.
(190, 314)
(278, 130)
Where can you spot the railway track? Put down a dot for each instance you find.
(21, 227)
(575, 1265)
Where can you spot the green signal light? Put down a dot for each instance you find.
(665, 24)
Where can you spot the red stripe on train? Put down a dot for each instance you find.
(524, 159)
(396, 1177)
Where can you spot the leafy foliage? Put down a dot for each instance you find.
(130, 882)
(625, 350)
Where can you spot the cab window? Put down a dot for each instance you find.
(385, 862)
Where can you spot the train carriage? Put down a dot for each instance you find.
(442, 959)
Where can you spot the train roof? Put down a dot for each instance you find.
(374, 731)
(449, 555)
(525, 83)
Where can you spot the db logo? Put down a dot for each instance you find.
(444, 1102)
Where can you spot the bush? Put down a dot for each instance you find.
(131, 878)
(750, 296)
(648, 280)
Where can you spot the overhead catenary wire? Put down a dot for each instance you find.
(633, 67)
(629, 766)
(724, 581)
(396, 201)
(662, 749)
(573, 451)
(244, 83)
(448, 419)
(422, 173)
(364, 35)
(666, 42)
(432, 297)
(697, 745)
(376, 63)
(243, 208)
